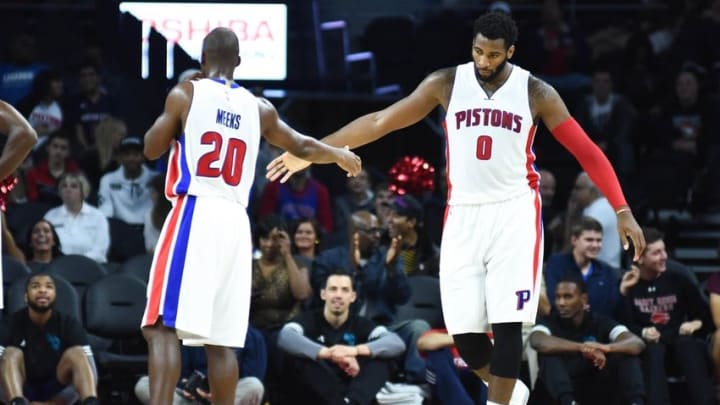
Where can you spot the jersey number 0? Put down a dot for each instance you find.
(232, 162)
(483, 150)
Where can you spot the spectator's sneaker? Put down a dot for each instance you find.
(520, 394)
(19, 401)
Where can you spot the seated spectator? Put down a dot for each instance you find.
(339, 357)
(415, 249)
(42, 106)
(592, 203)
(278, 285)
(358, 196)
(306, 241)
(552, 217)
(383, 205)
(451, 380)
(667, 311)
(82, 228)
(609, 119)
(301, 197)
(100, 159)
(585, 355)
(41, 181)
(92, 104)
(601, 279)
(249, 390)
(19, 67)
(124, 192)
(46, 356)
(380, 283)
(42, 245)
(155, 216)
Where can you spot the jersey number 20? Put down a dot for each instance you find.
(232, 162)
(484, 147)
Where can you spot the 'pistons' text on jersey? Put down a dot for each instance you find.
(489, 139)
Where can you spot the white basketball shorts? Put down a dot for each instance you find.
(201, 274)
(490, 263)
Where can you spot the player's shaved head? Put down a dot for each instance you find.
(221, 47)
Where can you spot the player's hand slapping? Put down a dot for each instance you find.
(348, 161)
(284, 166)
(630, 230)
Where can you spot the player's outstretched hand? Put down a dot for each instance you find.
(349, 161)
(629, 229)
(284, 166)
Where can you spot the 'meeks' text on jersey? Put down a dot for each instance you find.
(216, 153)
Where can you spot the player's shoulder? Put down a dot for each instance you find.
(444, 76)
(539, 90)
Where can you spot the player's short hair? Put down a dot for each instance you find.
(497, 25)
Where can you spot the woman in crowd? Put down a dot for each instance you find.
(42, 245)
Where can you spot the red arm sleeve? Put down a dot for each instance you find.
(592, 159)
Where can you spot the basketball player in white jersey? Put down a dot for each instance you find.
(21, 139)
(199, 286)
(492, 243)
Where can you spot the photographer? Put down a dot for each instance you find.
(193, 385)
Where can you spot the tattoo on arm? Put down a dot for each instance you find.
(539, 94)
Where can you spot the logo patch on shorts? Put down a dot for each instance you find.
(523, 296)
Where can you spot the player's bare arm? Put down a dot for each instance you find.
(170, 123)
(21, 139)
(433, 91)
(278, 133)
(546, 104)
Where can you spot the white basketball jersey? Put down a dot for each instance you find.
(215, 156)
(489, 140)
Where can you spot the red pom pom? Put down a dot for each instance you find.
(411, 175)
(5, 187)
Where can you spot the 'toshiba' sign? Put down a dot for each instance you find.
(261, 29)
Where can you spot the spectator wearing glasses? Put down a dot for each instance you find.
(380, 283)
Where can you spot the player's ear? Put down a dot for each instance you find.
(511, 51)
(239, 59)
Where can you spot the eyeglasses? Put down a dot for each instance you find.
(369, 231)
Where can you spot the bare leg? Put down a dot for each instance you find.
(222, 374)
(163, 362)
(74, 368)
(500, 389)
(12, 372)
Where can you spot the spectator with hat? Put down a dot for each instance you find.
(416, 250)
(124, 192)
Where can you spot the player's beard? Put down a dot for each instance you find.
(494, 75)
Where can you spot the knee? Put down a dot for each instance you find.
(419, 326)
(250, 391)
(74, 355)
(474, 348)
(12, 355)
(506, 356)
